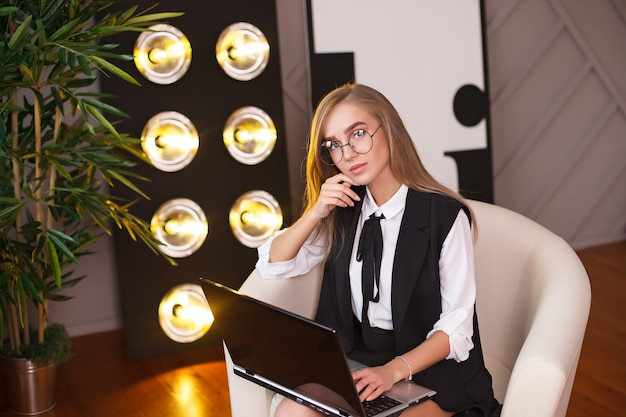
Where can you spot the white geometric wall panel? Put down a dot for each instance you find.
(417, 53)
(558, 104)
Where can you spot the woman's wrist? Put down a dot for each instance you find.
(401, 369)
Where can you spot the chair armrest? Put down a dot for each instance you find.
(550, 353)
(247, 399)
(298, 295)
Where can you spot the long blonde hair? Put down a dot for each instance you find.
(406, 165)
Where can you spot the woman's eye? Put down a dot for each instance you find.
(333, 146)
(358, 133)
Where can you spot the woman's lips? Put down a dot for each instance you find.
(357, 169)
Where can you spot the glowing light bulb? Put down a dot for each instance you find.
(170, 141)
(181, 225)
(254, 217)
(242, 51)
(162, 54)
(249, 135)
(184, 313)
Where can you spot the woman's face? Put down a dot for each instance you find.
(341, 123)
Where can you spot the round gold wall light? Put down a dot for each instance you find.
(249, 135)
(170, 140)
(254, 217)
(242, 51)
(162, 54)
(184, 313)
(181, 225)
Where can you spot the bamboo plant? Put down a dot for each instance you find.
(57, 149)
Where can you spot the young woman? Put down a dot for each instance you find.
(406, 310)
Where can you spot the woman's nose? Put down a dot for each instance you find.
(348, 152)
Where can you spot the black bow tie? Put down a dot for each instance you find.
(370, 252)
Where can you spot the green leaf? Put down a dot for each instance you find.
(67, 28)
(20, 34)
(8, 10)
(71, 59)
(64, 236)
(58, 101)
(41, 32)
(32, 290)
(80, 82)
(61, 168)
(21, 300)
(103, 120)
(150, 18)
(114, 70)
(105, 107)
(66, 251)
(56, 267)
(84, 65)
(127, 14)
(9, 200)
(27, 74)
(8, 214)
(129, 184)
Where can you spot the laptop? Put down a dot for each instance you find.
(297, 357)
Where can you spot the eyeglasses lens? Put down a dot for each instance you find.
(360, 142)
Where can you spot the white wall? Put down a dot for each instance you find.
(558, 95)
(418, 53)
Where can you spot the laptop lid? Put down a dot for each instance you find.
(290, 354)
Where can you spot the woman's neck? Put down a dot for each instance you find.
(383, 188)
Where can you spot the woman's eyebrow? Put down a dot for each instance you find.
(347, 131)
(351, 128)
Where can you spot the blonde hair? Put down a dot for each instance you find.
(405, 163)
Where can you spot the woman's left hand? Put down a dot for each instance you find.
(372, 382)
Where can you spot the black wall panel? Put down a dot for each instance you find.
(214, 180)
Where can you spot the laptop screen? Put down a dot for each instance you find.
(289, 350)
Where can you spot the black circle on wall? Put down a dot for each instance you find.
(470, 105)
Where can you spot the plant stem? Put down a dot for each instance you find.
(14, 334)
(39, 216)
(17, 178)
(58, 118)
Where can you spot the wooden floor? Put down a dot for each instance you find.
(100, 382)
(600, 384)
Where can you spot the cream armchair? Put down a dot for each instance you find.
(533, 303)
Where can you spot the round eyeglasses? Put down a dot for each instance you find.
(360, 141)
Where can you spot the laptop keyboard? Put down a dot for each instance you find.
(378, 405)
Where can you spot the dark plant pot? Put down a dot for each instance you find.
(30, 388)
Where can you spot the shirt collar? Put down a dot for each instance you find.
(392, 207)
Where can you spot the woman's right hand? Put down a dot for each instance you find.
(335, 192)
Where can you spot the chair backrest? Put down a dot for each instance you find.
(533, 300)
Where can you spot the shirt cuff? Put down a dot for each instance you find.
(459, 335)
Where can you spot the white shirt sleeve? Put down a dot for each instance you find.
(309, 255)
(458, 289)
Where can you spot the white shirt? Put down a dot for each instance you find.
(456, 270)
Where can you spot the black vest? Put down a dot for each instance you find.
(416, 297)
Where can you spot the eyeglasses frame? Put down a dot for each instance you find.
(371, 135)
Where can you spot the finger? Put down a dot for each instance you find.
(336, 198)
(342, 178)
(337, 194)
(343, 188)
(374, 394)
(369, 393)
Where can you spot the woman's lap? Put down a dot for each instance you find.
(289, 408)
